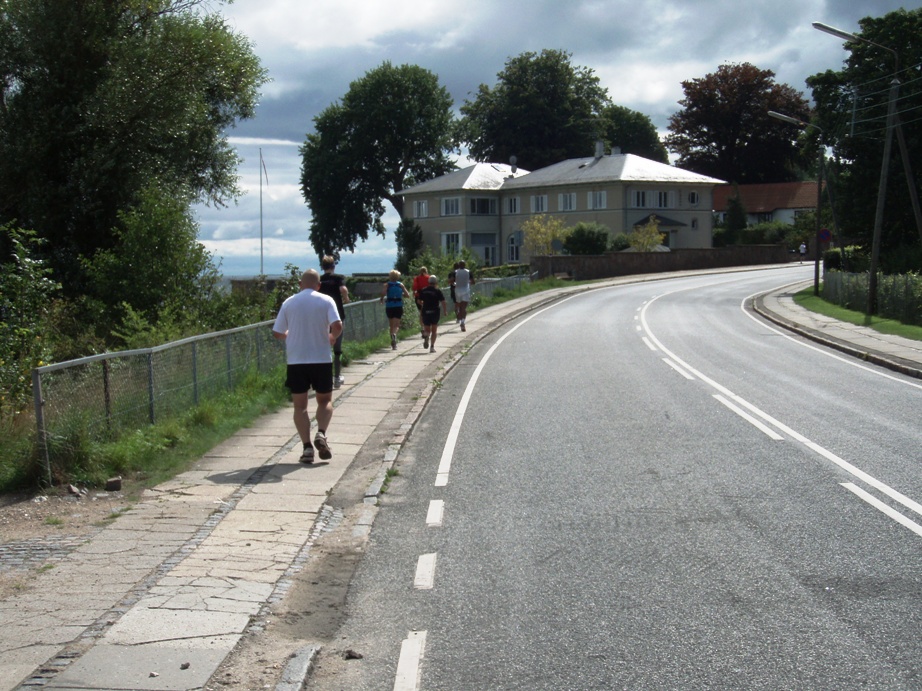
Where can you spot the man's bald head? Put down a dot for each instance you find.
(310, 279)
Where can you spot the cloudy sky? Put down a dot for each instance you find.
(641, 50)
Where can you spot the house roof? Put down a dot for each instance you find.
(480, 176)
(767, 198)
(662, 220)
(606, 169)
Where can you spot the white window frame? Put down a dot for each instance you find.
(512, 250)
(539, 203)
(694, 198)
(597, 199)
(566, 201)
(421, 208)
(512, 205)
(490, 204)
(639, 199)
(446, 246)
(451, 206)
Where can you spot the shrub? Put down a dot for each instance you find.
(587, 238)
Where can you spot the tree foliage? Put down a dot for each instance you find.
(587, 238)
(632, 132)
(542, 110)
(394, 128)
(26, 291)
(647, 237)
(100, 97)
(851, 109)
(540, 232)
(724, 129)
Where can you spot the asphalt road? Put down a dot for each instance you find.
(647, 487)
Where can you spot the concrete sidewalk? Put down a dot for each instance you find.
(161, 597)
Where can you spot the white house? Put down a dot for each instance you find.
(483, 206)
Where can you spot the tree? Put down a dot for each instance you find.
(540, 232)
(736, 219)
(410, 243)
(25, 300)
(98, 98)
(851, 109)
(724, 129)
(632, 132)
(587, 238)
(542, 110)
(393, 129)
(647, 237)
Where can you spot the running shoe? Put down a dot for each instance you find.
(432, 349)
(425, 343)
(338, 381)
(307, 456)
(323, 449)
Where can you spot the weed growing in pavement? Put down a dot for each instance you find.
(390, 474)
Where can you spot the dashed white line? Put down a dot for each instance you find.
(411, 654)
(435, 513)
(425, 572)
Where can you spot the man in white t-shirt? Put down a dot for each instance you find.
(463, 282)
(309, 324)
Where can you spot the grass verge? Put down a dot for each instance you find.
(808, 300)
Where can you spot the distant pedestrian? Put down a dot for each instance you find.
(392, 296)
(420, 281)
(451, 282)
(334, 285)
(433, 307)
(309, 324)
(803, 252)
(463, 282)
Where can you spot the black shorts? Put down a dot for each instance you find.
(317, 376)
(431, 318)
(394, 312)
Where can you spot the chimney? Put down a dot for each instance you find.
(599, 148)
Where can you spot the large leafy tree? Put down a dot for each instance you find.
(632, 132)
(542, 110)
(851, 109)
(99, 99)
(724, 130)
(394, 128)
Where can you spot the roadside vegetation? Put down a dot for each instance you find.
(808, 300)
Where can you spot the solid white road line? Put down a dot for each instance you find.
(880, 506)
(746, 416)
(425, 572)
(435, 513)
(411, 654)
(677, 368)
(448, 452)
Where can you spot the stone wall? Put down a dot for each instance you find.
(588, 267)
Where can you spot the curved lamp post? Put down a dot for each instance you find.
(819, 192)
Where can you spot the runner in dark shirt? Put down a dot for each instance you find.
(334, 285)
(433, 307)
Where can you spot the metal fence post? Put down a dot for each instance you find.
(150, 386)
(230, 376)
(106, 393)
(195, 372)
(40, 420)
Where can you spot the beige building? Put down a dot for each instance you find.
(483, 206)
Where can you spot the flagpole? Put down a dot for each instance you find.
(261, 272)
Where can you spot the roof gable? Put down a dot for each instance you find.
(608, 169)
(480, 176)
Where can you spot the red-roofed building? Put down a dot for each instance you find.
(778, 201)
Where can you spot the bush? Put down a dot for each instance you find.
(852, 259)
(620, 242)
(587, 238)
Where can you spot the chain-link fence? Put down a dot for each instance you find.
(898, 296)
(106, 395)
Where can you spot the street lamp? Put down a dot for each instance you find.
(819, 192)
(893, 120)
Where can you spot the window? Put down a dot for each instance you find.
(420, 209)
(512, 205)
(566, 202)
(451, 243)
(483, 206)
(694, 224)
(451, 206)
(596, 200)
(539, 203)
(512, 250)
(693, 198)
(650, 199)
